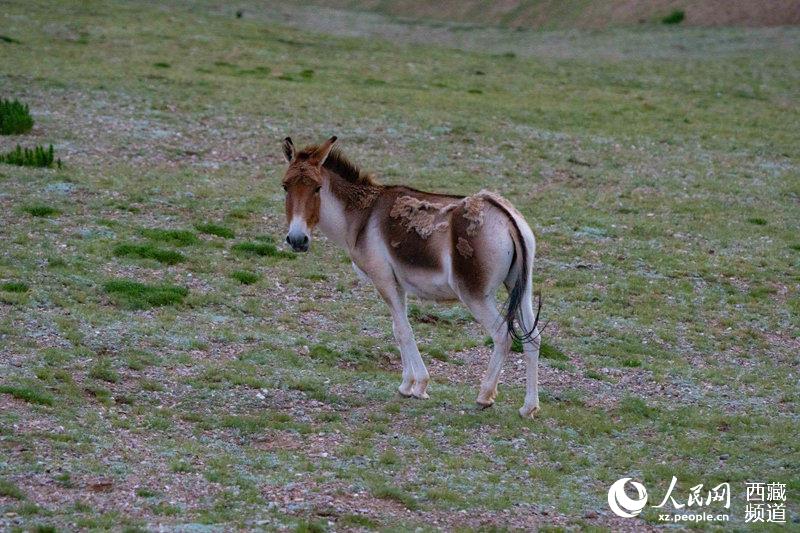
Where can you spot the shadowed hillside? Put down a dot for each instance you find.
(559, 14)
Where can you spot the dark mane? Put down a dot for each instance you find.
(340, 165)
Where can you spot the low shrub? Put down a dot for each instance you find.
(676, 17)
(31, 157)
(15, 117)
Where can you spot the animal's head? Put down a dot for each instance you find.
(302, 183)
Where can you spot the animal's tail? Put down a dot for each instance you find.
(523, 284)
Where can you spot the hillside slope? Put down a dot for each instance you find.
(559, 14)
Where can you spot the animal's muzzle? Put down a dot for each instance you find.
(298, 241)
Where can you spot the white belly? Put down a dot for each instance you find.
(426, 284)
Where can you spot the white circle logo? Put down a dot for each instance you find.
(621, 504)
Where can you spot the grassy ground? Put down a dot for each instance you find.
(164, 363)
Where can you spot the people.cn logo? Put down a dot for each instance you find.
(621, 503)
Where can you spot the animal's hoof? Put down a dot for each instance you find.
(405, 392)
(484, 405)
(421, 395)
(529, 412)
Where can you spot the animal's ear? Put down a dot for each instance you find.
(323, 152)
(288, 149)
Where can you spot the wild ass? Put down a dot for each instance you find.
(434, 246)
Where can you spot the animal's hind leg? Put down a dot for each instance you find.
(485, 311)
(531, 349)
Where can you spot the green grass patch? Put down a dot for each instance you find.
(245, 277)
(389, 458)
(216, 229)
(166, 509)
(249, 424)
(180, 466)
(758, 221)
(548, 351)
(142, 296)
(40, 210)
(101, 394)
(149, 251)
(38, 156)
(635, 407)
(14, 286)
(438, 353)
(15, 117)
(430, 315)
(356, 521)
(387, 492)
(151, 385)
(676, 17)
(28, 393)
(263, 249)
(10, 490)
(140, 359)
(310, 526)
(594, 374)
(177, 237)
(102, 370)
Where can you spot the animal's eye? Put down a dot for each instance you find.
(285, 188)
(317, 189)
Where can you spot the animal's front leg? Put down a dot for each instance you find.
(401, 336)
(415, 375)
(412, 361)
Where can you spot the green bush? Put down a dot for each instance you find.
(676, 17)
(31, 157)
(14, 117)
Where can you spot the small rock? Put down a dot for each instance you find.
(590, 514)
(725, 456)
